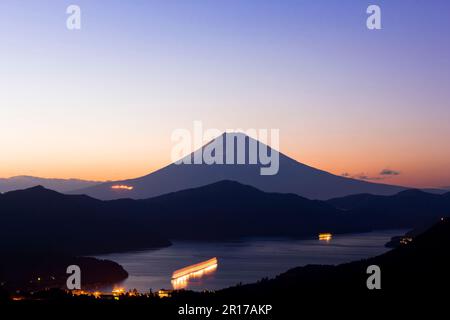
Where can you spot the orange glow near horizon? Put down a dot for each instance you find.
(358, 159)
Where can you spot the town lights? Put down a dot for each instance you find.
(122, 187)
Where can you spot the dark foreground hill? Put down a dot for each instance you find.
(36, 271)
(41, 230)
(413, 278)
(41, 220)
(416, 269)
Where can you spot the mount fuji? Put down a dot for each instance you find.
(292, 177)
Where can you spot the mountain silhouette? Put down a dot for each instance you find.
(409, 208)
(60, 185)
(230, 210)
(40, 219)
(292, 177)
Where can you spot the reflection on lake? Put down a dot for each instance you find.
(245, 261)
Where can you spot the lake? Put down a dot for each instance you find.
(244, 261)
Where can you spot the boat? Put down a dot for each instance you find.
(195, 268)
(181, 277)
(325, 236)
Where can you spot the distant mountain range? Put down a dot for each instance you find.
(292, 177)
(40, 219)
(60, 185)
(407, 208)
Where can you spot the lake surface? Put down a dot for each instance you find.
(245, 261)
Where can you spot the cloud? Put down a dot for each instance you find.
(363, 176)
(384, 174)
(389, 172)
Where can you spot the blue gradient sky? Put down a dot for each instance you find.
(102, 102)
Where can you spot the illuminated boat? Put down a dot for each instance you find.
(194, 268)
(181, 276)
(325, 236)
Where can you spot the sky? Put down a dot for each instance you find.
(101, 102)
